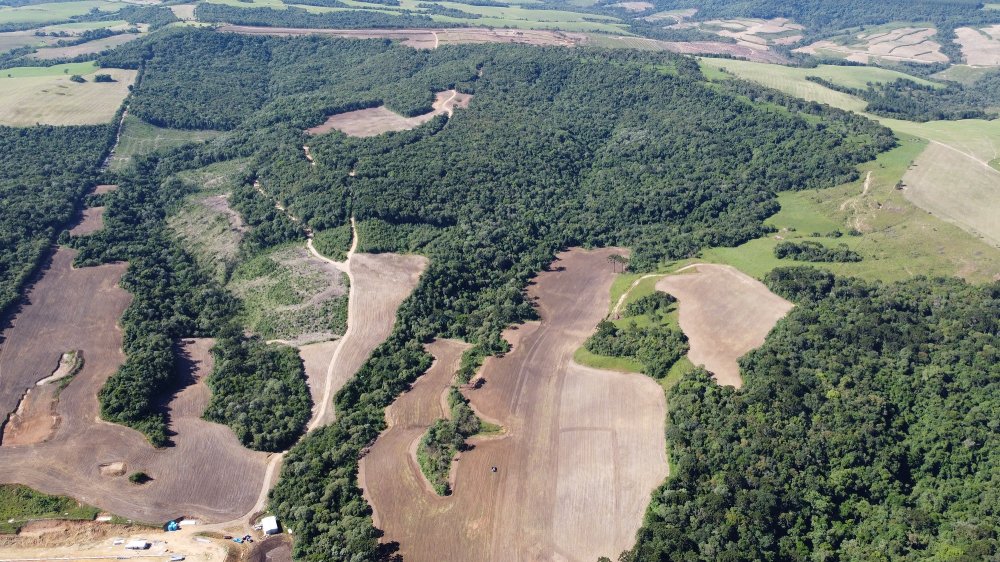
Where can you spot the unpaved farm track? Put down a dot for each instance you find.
(724, 313)
(582, 450)
(426, 38)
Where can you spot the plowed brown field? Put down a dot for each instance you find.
(93, 220)
(207, 474)
(582, 449)
(724, 313)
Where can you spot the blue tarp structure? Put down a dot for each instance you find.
(173, 526)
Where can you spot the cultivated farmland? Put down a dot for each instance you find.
(724, 313)
(53, 99)
(980, 46)
(377, 120)
(901, 44)
(957, 188)
(428, 38)
(90, 47)
(581, 451)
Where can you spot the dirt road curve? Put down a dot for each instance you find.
(725, 313)
(583, 448)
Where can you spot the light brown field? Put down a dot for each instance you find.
(377, 120)
(183, 12)
(908, 44)
(581, 452)
(379, 284)
(79, 540)
(753, 32)
(758, 53)
(980, 47)
(428, 38)
(724, 313)
(14, 39)
(90, 47)
(635, 6)
(956, 187)
(104, 188)
(92, 221)
(55, 100)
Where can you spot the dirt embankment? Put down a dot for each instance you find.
(724, 313)
(582, 449)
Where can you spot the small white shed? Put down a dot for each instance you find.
(269, 525)
(137, 545)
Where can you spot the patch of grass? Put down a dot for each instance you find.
(487, 429)
(53, 12)
(962, 73)
(20, 504)
(898, 239)
(140, 138)
(31, 95)
(85, 25)
(288, 294)
(622, 364)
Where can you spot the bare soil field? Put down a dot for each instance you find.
(35, 419)
(957, 187)
(757, 53)
(90, 47)
(581, 452)
(78, 540)
(379, 284)
(14, 39)
(907, 44)
(183, 12)
(980, 47)
(428, 38)
(56, 100)
(724, 313)
(104, 188)
(635, 6)
(92, 221)
(377, 120)
(207, 474)
(316, 358)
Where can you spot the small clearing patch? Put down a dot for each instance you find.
(635, 6)
(92, 221)
(378, 120)
(724, 313)
(54, 99)
(139, 137)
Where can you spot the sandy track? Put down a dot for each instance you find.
(377, 120)
(426, 38)
(583, 448)
(724, 313)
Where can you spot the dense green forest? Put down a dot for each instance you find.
(490, 205)
(445, 439)
(258, 391)
(674, 164)
(866, 430)
(809, 250)
(44, 174)
(906, 99)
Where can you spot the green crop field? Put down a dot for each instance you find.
(139, 137)
(54, 12)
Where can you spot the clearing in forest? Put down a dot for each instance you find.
(894, 44)
(377, 120)
(581, 452)
(980, 46)
(139, 137)
(52, 98)
(88, 48)
(724, 313)
(211, 230)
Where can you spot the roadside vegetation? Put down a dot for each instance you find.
(20, 504)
